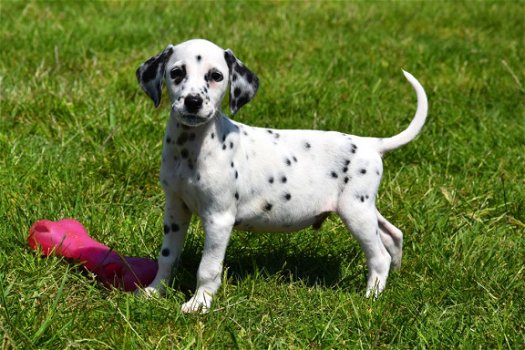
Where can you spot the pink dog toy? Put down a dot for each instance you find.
(68, 238)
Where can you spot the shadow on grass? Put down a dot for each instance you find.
(310, 268)
(283, 264)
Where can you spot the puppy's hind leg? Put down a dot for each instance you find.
(392, 238)
(359, 215)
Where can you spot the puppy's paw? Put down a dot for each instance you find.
(372, 293)
(200, 302)
(149, 292)
(374, 287)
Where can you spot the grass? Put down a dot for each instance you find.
(79, 139)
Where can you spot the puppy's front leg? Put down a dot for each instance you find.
(176, 221)
(217, 229)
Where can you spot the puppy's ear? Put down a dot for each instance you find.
(243, 82)
(150, 74)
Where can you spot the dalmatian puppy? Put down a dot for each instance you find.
(235, 176)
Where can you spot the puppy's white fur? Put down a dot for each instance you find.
(237, 176)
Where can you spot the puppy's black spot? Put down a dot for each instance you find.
(268, 207)
(224, 146)
(347, 162)
(224, 137)
(288, 162)
(346, 180)
(166, 229)
(237, 195)
(287, 196)
(174, 227)
(284, 179)
(362, 199)
(231, 144)
(182, 139)
(269, 131)
(150, 71)
(362, 171)
(270, 180)
(294, 159)
(198, 58)
(236, 174)
(165, 252)
(345, 169)
(232, 165)
(307, 145)
(333, 174)
(212, 135)
(237, 92)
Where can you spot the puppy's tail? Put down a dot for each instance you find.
(391, 143)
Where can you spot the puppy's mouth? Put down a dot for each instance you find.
(193, 119)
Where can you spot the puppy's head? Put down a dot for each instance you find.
(197, 73)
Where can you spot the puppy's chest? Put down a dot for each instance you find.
(193, 163)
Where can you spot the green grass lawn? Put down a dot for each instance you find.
(78, 138)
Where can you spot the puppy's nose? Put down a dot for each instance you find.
(193, 103)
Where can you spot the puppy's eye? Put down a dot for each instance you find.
(216, 76)
(177, 74)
